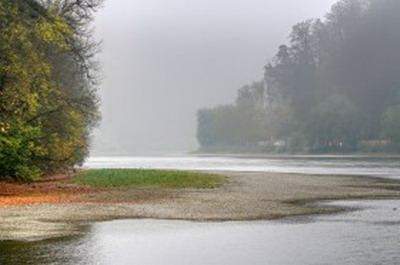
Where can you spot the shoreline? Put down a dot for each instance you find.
(299, 156)
(248, 196)
(294, 155)
(261, 155)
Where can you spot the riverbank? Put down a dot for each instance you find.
(245, 196)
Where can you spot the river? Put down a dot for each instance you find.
(368, 235)
(385, 166)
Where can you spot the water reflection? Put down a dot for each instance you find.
(68, 251)
(370, 236)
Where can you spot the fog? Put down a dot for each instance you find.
(163, 60)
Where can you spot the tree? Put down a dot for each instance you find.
(391, 124)
(234, 126)
(334, 125)
(333, 85)
(47, 100)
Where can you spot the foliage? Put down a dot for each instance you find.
(329, 87)
(335, 125)
(240, 124)
(125, 178)
(47, 100)
(391, 124)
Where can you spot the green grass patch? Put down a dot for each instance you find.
(143, 178)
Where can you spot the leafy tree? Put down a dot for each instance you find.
(391, 124)
(238, 125)
(334, 125)
(333, 85)
(206, 128)
(47, 100)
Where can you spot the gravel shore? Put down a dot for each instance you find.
(246, 196)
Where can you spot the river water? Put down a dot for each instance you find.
(368, 235)
(388, 166)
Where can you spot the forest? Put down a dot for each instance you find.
(48, 83)
(334, 87)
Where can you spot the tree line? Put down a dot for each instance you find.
(335, 87)
(48, 81)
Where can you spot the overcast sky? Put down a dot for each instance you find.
(162, 60)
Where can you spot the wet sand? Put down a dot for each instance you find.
(246, 196)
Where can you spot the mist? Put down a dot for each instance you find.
(164, 60)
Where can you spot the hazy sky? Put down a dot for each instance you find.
(164, 59)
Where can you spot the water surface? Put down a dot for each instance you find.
(388, 167)
(369, 236)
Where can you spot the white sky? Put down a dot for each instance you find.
(164, 59)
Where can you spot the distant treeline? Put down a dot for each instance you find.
(48, 101)
(334, 88)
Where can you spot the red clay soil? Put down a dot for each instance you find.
(50, 190)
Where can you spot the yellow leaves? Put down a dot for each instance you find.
(62, 27)
(4, 127)
(32, 103)
(40, 119)
(54, 33)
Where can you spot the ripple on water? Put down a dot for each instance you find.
(367, 236)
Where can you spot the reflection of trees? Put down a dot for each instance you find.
(68, 251)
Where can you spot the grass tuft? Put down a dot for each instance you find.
(144, 178)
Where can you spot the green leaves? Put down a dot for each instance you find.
(333, 88)
(391, 123)
(42, 128)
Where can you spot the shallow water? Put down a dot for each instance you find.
(368, 236)
(388, 167)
